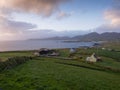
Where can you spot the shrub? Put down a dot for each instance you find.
(13, 62)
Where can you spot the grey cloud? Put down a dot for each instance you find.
(9, 26)
(43, 7)
(40, 7)
(107, 28)
(20, 25)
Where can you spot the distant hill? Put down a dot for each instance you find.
(53, 38)
(108, 36)
(113, 36)
(58, 38)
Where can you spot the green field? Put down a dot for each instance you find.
(43, 73)
(5, 55)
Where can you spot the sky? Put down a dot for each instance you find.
(26, 19)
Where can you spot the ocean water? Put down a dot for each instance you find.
(37, 44)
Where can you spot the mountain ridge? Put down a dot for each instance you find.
(94, 36)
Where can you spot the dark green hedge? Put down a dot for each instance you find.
(13, 62)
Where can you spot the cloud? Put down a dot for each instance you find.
(9, 27)
(62, 15)
(13, 30)
(46, 33)
(112, 17)
(43, 7)
(13, 27)
(113, 14)
(107, 28)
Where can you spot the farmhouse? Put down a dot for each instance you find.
(93, 58)
(72, 50)
(46, 52)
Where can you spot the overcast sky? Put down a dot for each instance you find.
(24, 19)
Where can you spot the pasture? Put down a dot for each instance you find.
(49, 73)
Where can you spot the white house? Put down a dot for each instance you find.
(92, 58)
(72, 50)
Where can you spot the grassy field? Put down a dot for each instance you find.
(114, 45)
(5, 55)
(43, 73)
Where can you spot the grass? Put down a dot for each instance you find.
(109, 62)
(110, 54)
(5, 55)
(42, 73)
(46, 74)
(113, 45)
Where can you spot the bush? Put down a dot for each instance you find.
(13, 62)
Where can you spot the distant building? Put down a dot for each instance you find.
(103, 48)
(36, 54)
(72, 50)
(46, 52)
(92, 58)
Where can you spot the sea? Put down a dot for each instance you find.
(37, 44)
